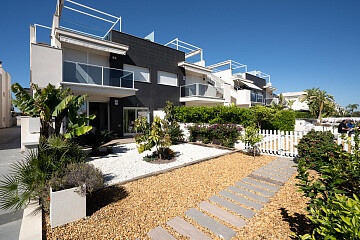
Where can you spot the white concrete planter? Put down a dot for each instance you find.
(66, 206)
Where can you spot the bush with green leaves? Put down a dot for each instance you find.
(316, 147)
(155, 135)
(95, 140)
(173, 127)
(263, 117)
(252, 137)
(29, 176)
(226, 134)
(333, 206)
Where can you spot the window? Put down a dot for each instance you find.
(167, 78)
(140, 74)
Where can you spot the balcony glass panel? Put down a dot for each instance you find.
(90, 74)
(201, 90)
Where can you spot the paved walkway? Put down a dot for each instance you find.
(10, 223)
(246, 197)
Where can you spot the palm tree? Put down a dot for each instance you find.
(290, 103)
(318, 100)
(311, 104)
(352, 107)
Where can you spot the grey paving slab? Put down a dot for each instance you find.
(286, 170)
(160, 233)
(266, 179)
(242, 200)
(186, 229)
(10, 231)
(214, 226)
(222, 214)
(249, 194)
(264, 185)
(277, 171)
(271, 176)
(260, 190)
(247, 213)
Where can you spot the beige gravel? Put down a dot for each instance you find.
(131, 210)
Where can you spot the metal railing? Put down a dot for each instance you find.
(75, 72)
(255, 97)
(201, 90)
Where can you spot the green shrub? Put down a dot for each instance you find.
(301, 114)
(29, 176)
(316, 147)
(78, 174)
(95, 140)
(284, 120)
(173, 128)
(263, 117)
(155, 135)
(332, 210)
(338, 218)
(225, 133)
(252, 137)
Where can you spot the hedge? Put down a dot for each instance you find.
(263, 117)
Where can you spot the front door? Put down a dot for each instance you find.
(130, 114)
(101, 121)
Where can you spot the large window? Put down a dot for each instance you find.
(140, 74)
(167, 78)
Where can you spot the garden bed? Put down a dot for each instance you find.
(129, 211)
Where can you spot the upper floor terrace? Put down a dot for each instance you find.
(78, 58)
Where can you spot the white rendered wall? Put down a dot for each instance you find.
(45, 65)
(5, 99)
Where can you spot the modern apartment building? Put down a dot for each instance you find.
(126, 76)
(5, 99)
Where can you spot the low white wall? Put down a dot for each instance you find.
(30, 132)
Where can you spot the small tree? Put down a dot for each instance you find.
(252, 137)
(155, 136)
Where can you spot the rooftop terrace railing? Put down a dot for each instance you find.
(81, 73)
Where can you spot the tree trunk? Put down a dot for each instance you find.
(44, 129)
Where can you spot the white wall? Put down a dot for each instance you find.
(45, 65)
(5, 99)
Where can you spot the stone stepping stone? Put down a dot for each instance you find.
(286, 170)
(262, 191)
(266, 179)
(222, 214)
(264, 185)
(277, 171)
(247, 213)
(186, 229)
(214, 226)
(160, 233)
(270, 175)
(239, 199)
(249, 194)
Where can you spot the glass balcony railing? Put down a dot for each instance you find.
(255, 97)
(201, 90)
(75, 72)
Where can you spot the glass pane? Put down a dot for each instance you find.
(129, 120)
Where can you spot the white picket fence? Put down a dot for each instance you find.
(284, 143)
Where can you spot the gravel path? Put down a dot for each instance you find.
(130, 210)
(127, 164)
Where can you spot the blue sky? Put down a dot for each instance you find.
(301, 44)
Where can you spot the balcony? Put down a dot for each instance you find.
(256, 98)
(269, 101)
(85, 78)
(199, 93)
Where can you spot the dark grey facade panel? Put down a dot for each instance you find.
(155, 57)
